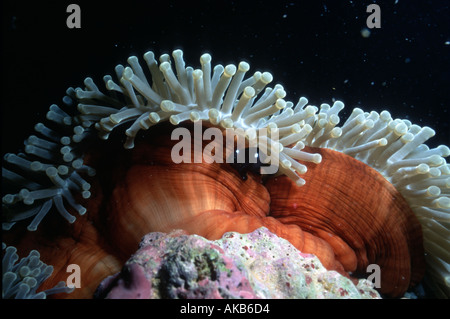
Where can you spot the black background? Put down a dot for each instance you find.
(313, 48)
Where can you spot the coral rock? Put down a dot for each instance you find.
(177, 266)
(255, 265)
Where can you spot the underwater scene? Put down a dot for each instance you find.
(226, 150)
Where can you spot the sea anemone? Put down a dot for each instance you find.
(56, 168)
(22, 279)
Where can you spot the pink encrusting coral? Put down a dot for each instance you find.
(177, 266)
(255, 265)
(130, 283)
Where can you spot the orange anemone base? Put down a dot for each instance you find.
(347, 214)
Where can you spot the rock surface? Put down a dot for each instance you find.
(254, 265)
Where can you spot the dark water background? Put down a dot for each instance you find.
(313, 48)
